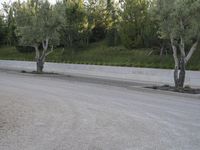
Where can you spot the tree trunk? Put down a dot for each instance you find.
(161, 51)
(179, 74)
(40, 66)
(176, 76)
(182, 73)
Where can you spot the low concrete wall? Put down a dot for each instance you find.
(157, 76)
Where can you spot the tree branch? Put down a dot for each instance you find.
(45, 44)
(49, 52)
(37, 52)
(182, 47)
(174, 51)
(192, 50)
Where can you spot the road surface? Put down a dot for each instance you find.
(131, 74)
(46, 112)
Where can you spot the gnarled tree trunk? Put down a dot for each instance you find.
(179, 74)
(41, 55)
(182, 73)
(180, 64)
(40, 65)
(179, 69)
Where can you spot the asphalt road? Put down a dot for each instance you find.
(52, 113)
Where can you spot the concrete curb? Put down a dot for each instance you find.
(129, 85)
(130, 74)
(148, 90)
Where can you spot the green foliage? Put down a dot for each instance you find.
(9, 25)
(180, 22)
(11, 53)
(179, 19)
(25, 49)
(138, 28)
(98, 18)
(36, 22)
(73, 30)
(2, 31)
(101, 54)
(112, 37)
(78, 25)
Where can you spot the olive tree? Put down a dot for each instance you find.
(10, 25)
(2, 30)
(180, 23)
(37, 26)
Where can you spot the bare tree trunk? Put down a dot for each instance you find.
(39, 62)
(41, 56)
(181, 73)
(40, 65)
(180, 64)
(176, 67)
(70, 41)
(176, 76)
(183, 61)
(161, 50)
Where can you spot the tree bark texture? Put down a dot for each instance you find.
(179, 74)
(41, 55)
(40, 66)
(181, 61)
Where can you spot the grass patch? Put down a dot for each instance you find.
(10, 53)
(100, 54)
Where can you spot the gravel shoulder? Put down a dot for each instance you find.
(51, 113)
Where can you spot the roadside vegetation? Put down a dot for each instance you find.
(101, 54)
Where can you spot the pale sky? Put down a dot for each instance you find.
(10, 1)
(52, 1)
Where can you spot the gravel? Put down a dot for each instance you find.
(51, 113)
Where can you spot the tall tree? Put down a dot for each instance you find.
(98, 19)
(11, 38)
(2, 30)
(137, 28)
(180, 22)
(37, 24)
(113, 23)
(74, 31)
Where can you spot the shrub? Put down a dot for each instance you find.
(25, 49)
(112, 37)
